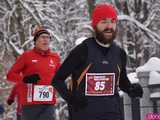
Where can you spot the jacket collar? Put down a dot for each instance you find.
(41, 52)
(103, 45)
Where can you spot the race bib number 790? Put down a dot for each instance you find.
(43, 93)
(100, 84)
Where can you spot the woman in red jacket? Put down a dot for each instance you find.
(35, 69)
(15, 95)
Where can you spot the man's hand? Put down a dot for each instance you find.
(135, 91)
(10, 101)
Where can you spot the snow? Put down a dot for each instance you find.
(153, 64)
(155, 95)
(154, 78)
(133, 77)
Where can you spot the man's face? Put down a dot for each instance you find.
(106, 30)
(42, 43)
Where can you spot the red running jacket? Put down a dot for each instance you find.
(15, 95)
(45, 64)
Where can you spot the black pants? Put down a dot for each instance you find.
(97, 108)
(38, 112)
(19, 117)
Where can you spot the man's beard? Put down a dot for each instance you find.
(101, 37)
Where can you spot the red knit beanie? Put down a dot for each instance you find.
(103, 11)
(38, 31)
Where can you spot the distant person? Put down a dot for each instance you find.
(1, 111)
(98, 69)
(35, 69)
(15, 97)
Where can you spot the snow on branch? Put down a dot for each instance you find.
(143, 27)
(2, 54)
(19, 51)
(26, 42)
(3, 10)
(57, 3)
(152, 15)
(56, 36)
(147, 23)
(29, 10)
(74, 19)
(8, 4)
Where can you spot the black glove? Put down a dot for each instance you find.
(10, 101)
(31, 78)
(135, 91)
(77, 100)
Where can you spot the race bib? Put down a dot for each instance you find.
(43, 93)
(100, 84)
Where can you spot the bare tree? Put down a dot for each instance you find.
(66, 20)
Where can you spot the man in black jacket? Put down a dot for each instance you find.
(98, 70)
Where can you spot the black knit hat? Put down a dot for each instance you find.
(38, 31)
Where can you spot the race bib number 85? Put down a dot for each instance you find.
(100, 84)
(43, 93)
